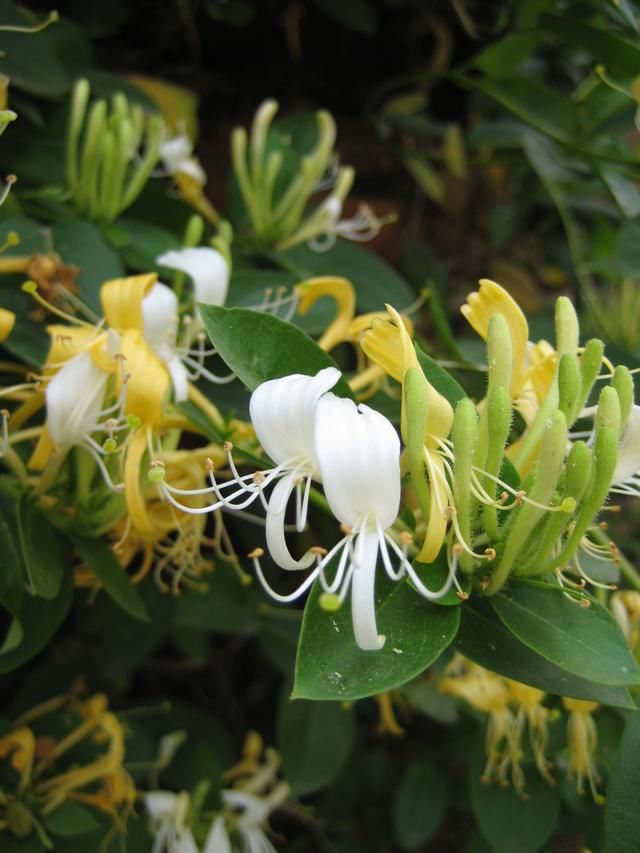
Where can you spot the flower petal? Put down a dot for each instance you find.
(160, 320)
(218, 839)
(358, 454)
(7, 322)
(207, 268)
(148, 379)
(628, 462)
(276, 542)
(363, 602)
(283, 414)
(121, 300)
(342, 292)
(75, 397)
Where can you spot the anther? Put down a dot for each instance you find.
(486, 580)
(491, 553)
(227, 447)
(584, 602)
(256, 554)
(210, 466)
(462, 595)
(603, 525)
(406, 538)
(259, 477)
(318, 550)
(346, 530)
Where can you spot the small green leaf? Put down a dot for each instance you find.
(331, 666)
(142, 242)
(100, 559)
(419, 803)
(70, 819)
(441, 379)
(511, 823)
(314, 740)
(604, 45)
(259, 346)
(44, 558)
(486, 641)
(11, 564)
(585, 641)
(621, 814)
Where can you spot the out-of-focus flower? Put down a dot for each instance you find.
(582, 736)
(168, 815)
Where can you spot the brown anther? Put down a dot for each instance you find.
(156, 463)
(406, 538)
(491, 553)
(227, 447)
(581, 583)
(457, 550)
(520, 497)
(584, 602)
(6, 414)
(259, 477)
(210, 466)
(256, 554)
(348, 531)
(462, 595)
(603, 525)
(268, 291)
(11, 179)
(120, 356)
(317, 550)
(504, 497)
(298, 481)
(486, 580)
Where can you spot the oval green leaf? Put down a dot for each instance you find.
(117, 583)
(585, 641)
(44, 556)
(419, 803)
(621, 813)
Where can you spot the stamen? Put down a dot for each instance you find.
(31, 288)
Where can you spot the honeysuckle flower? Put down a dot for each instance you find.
(626, 477)
(209, 272)
(389, 345)
(582, 741)
(168, 815)
(358, 455)
(531, 710)
(365, 225)
(534, 365)
(176, 155)
(7, 322)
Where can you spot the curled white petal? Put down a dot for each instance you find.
(174, 151)
(75, 397)
(160, 315)
(207, 268)
(218, 838)
(363, 604)
(283, 414)
(358, 454)
(276, 541)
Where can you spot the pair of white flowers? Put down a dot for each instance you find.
(354, 451)
(168, 814)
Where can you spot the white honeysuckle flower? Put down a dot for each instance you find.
(176, 155)
(160, 314)
(207, 268)
(283, 416)
(364, 226)
(626, 477)
(168, 814)
(218, 840)
(253, 813)
(357, 451)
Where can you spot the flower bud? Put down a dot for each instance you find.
(567, 326)
(590, 363)
(608, 412)
(569, 387)
(499, 352)
(623, 383)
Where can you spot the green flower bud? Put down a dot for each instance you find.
(414, 416)
(498, 424)
(567, 326)
(623, 383)
(569, 387)
(608, 412)
(464, 434)
(499, 352)
(590, 363)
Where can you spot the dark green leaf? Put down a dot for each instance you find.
(99, 557)
(419, 803)
(141, 242)
(585, 641)
(511, 823)
(624, 191)
(628, 248)
(11, 563)
(485, 640)
(357, 15)
(502, 58)
(259, 346)
(331, 666)
(225, 605)
(44, 557)
(70, 819)
(40, 619)
(314, 740)
(606, 47)
(441, 379)
(621, 814)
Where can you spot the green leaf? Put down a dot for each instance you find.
(441, 379)
(44, 557)
(140, 242)
(357, 15)
(510, 823)
(605, 46)
(82, 244)
(419, 803)
(226, 605)
(628, 249)
(376, 283)
(585, 641)
(536, 104)
(11, 564)
(70, 819)
(624, 191)
(330, 665)
(621, 813)
(486, 641)
(503, 58)
(100, 559)
(315, 740)
(258, 346)
(39, 620)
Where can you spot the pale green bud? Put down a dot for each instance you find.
(590, 363)
(464, 435)
(414, 417)
(567, 326)
(608, 412)
(499, 352)
(623, 383)
(578, 470)
(569, 386)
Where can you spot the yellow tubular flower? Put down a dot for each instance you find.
(20, 744)
(389, 345)
(342, 292)
(7, 322)
(582, 737)
(530, 708)
(121, 300)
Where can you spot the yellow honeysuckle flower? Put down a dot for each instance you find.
(121, 300)
(20, 744)
(534, 365)
(7, 322)
(339, 289)
(389, 345)
(530, 709)
(582, 736)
